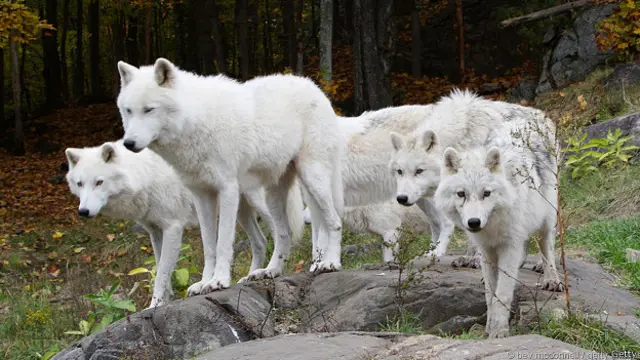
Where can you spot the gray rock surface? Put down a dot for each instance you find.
(181, 328)
(369, 346)
(576, 53)
(627, 75)
(629, 124)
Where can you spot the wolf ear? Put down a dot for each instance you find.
(429, 139)
(165, 72)
(396, 141)
(126, 72)
(73, 156)
(451, 161)
(493, 161)
(108, 153)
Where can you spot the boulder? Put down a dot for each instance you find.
(627, 75)
(575, 54)
(629, 125)
(362, 345)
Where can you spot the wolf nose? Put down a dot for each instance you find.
(83, 212)
(129, 144)
(402, 199)
(474, 223)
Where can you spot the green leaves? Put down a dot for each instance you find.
(608, 152)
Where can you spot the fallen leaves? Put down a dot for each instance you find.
(57, 235)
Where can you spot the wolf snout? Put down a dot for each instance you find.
(83, 212)
(130, 145)
(474, 224)
(402, 199)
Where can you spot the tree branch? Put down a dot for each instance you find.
(542, 14)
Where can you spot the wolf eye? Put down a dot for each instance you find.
(487, 193)
(461, 194)
(128, 110)
(399, 172)
(147, 110)
(79, 183)
(419, 171)
(99, 182)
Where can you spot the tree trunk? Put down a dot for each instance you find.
(460, 23)
(268, 49)
(24, 89)
(543, 14)
(192, 36)
(299, 36)
(18, 135)
(218, 38)
(326, 38)
(133, 55)
(206, 45)
(289, 34)
(63, 50)
(119, 38)
(314, 26)
(416, 41)
(51, 71)
(3, 126)
(243, 37)
(374, 43)
(94, 30)
(180, 34)
(78, 70)
(148, 11)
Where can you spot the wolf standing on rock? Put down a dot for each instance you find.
(112, 180)
(226, 138)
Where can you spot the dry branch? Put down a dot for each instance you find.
(543, 14)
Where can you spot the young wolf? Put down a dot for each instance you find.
(461, 120)
(384, 219)
(501, 197)
(111, 180)
(226, 138)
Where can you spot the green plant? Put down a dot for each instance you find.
(606, 152)
(108, 310)
(180, 275)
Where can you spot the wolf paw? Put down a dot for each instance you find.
(325, 267)
(215, 285)
(260, 274)
(196, 289)
(553, 285)
(499, 333)
(473, 262)
(155, 302)
(538, 267)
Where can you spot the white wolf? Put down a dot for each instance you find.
(118, 183)
(226, 138)
(384, 219)
(461, 120)
(501, 197)
(366, 175)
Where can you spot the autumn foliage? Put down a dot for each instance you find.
(16, 16)
(620, 32)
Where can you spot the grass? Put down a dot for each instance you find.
(597, 104)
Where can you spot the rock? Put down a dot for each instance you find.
(306, 346)
(526, 90)
(180, 329)
(576, 53)
(360, 345)
(433, 347)
(628, 124)
(628, 325)
(633, 256)
(627, 75)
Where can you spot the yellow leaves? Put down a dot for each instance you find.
(52, 255)
(57, 235)
(78, 250)
(19, 19)
(137, 271)
(582, 102)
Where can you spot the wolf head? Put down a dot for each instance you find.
(473, 187)
(416, 165)
(147, 103)
(94, 177)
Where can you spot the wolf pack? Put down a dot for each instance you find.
(211, 152)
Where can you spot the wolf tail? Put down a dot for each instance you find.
(295, 211)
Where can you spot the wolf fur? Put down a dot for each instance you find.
(461, 120)
(384, 219)
(226, 138)
(120, 184)
(366, 175)
(501, 194)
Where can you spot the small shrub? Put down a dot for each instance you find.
(609, 152)
(620, 32)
